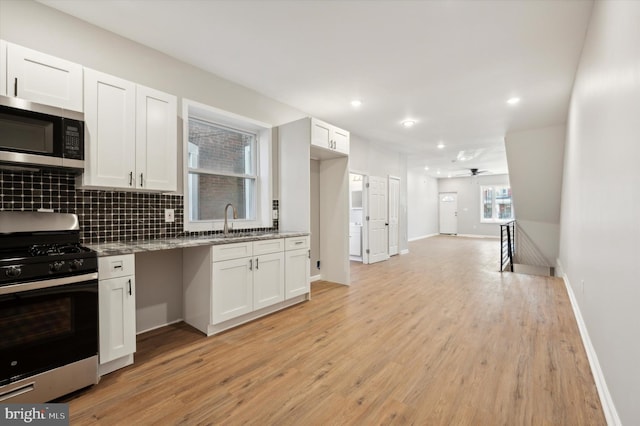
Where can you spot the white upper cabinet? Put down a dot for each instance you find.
(330, 138)
(131, 137)
(156, 139)
(42, 78)
(110, 130)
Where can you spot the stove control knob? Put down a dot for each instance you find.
(13, 271)
(76, 264)
(56, 266)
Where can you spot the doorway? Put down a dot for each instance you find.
(377, 219)
(449, 213)
(356, 209)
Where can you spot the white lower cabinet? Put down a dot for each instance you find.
(229, 284)
(268, 280)
(297, 267)
(117, 311)
(231, 289)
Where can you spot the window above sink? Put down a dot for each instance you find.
(227, 159)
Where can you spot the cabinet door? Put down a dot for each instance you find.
(156, 139)
(110, 130)
(321, 134)
(268, 280)
(341, 140)
(117, 315)
(3, 68)
(232, 289)
(43, 78)
(296, 273)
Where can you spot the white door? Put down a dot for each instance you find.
(296, 272)
(117, 315)
(268, 280)
(43, 78)
(156, 139)
(394, 210)
(110, 136)
(232, 289)
(377, 209)
(448, 213)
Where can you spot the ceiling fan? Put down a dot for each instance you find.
(474, 172)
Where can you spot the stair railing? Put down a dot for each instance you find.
(507, 245)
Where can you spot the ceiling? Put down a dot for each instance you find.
(449, 65)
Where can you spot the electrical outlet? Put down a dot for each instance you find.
(169, 215)
(582, 286)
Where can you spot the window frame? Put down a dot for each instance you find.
(494, 204)
(261, 166)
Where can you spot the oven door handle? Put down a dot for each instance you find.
(54, 282)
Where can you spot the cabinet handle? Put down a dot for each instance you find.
(309, 253)
(257, 264)
(141, 185)
(15, 87)
(130, 178)
(251, 264)
(129, 287)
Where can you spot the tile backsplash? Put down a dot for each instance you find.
(105, 216)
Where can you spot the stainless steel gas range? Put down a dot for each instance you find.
(48, 307)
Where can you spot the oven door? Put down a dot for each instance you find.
(47, 324)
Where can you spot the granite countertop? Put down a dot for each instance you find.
(130, 247)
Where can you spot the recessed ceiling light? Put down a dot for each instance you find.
(513, 101)
(449, 175)
(440, 145)
(356, 103)
(426, 168)
(438, 172)
(408, 123)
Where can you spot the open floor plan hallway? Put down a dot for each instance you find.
(434, 337)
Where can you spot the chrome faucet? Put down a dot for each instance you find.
(235, 216)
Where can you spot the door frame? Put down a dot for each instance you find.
(365, 211)
(389, 179)
(440, 212)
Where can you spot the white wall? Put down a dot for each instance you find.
(535, 159)
(158, 288)
(600, 218)
(47, 30)
(468, 189)
(422, 204)
(378, 160)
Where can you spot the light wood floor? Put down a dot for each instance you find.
(435, 337)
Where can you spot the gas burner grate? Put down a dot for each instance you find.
(54, 249)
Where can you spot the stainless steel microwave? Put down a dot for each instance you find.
(38, 135)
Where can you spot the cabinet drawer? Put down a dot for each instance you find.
(116, 266)
(268, 246)
(231, 251)
(294, 243)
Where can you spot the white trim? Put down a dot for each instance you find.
(421, 237)
(404, 251)
(315, 278)
(478, 236)
(159, 326)
(608, 406)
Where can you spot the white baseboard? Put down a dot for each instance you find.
(606, 401)
(422, 237)
(159, 326)
(405, 251)
(478, 236)
(315, 278)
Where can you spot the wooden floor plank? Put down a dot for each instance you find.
(436, 337)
